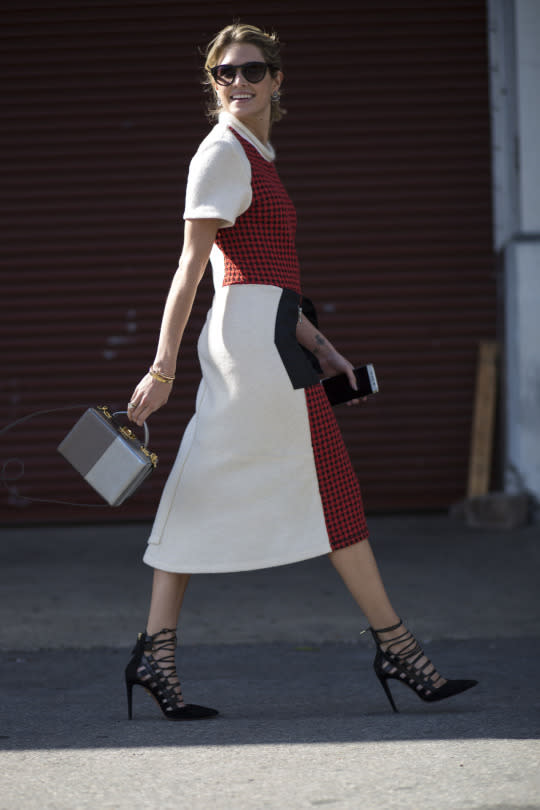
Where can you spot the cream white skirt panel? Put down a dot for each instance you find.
(243, 492)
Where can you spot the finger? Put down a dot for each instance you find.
(131, 409)
(139, 417)
(142, 413)
(352, 378)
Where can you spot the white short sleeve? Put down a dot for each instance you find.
(219, 180)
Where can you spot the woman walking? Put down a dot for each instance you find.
(262, 477)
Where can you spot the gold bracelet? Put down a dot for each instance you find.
(157, 375)
(162, 373)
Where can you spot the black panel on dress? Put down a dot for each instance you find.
(296, 360)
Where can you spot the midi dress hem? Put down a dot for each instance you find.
(254, 565)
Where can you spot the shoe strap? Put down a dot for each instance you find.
(162, 670)
(405, 660)
(386, 629)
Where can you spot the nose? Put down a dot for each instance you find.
(238, 77)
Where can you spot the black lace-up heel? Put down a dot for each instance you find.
(153, 667)
(403, 659)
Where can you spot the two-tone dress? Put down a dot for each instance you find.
(262, 477)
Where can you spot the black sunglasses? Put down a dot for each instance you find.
(253, 72)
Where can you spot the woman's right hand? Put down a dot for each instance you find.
(149, 395)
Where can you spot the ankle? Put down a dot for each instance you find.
(392, 632)
(152, 632)
(401, 647)
(160, 645)
(397, 640)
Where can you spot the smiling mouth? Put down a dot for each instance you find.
(241, 97)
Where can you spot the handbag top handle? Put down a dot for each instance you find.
(145, 426)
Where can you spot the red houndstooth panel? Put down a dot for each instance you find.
(338, 485)
(260, 248)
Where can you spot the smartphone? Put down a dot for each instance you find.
(338, 389)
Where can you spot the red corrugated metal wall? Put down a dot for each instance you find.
(386, 153)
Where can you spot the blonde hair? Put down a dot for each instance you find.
(269, 46)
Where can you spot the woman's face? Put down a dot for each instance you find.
(250, 103)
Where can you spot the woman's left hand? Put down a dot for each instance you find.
(334, 363)
(330, 360)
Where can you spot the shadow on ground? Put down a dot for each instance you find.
(267, 693)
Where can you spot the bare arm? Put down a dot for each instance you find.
(150, 394)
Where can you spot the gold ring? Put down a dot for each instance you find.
(131, 405)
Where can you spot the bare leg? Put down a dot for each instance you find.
(168, 591)
(358, 568)
(153, 663)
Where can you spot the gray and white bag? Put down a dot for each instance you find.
(109, 456)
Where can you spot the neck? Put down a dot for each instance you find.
(262, 133)
(251, 133)
(260, 127)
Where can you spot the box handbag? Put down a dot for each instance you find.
(108, 455)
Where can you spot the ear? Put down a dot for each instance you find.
(277, 80)
(215, 90)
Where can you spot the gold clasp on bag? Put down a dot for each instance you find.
(128, 434)
(152, 456)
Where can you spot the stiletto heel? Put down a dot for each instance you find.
(129, 689)
(401, 657)
(153, 667)
(384, 683)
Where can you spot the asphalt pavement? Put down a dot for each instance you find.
(303, 721)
